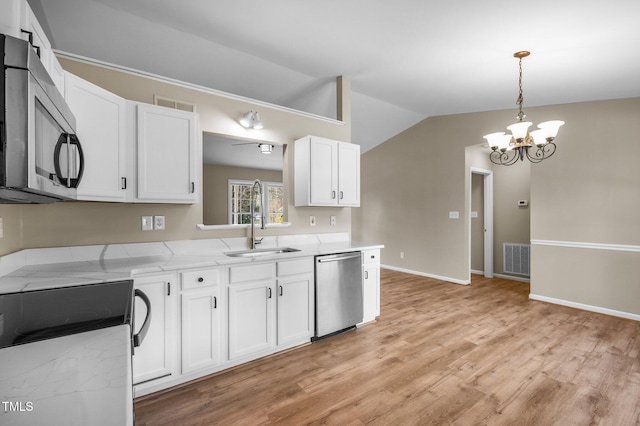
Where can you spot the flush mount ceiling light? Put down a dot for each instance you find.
(265, 148)
(251, 120)
(508, 148)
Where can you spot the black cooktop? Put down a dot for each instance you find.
(45, 314)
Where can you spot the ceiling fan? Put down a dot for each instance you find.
(265, 148)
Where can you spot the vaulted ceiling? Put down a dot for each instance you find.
(407, 59)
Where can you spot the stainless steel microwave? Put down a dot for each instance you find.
(41, 157)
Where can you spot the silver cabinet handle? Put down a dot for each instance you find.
(281, 293)
(268, 292)
(341, 195)
(215, 302)
(366, 275)
(333, 195)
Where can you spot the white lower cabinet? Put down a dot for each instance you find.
(219, 317)
(155, 359)
(295, 301)
(251, 309)
(371, 284)
(200, 314)
(276, 310)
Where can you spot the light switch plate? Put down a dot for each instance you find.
(158, 223)
(454, 215)
(147, 223)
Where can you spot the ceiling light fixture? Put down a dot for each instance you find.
(251, 120)
(265, 148)
(508, 148)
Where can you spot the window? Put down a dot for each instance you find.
(240, 202)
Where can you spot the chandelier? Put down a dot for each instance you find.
(535, 146)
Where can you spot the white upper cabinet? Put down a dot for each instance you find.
(348, 174)
(134, 152)
(18, 20)
(167, 155)
(100, 126)
(11, 16)
(327, 172)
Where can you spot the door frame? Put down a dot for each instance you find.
(488, 218)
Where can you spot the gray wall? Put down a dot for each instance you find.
(587, 192)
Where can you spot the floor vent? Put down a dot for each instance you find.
(517, 259)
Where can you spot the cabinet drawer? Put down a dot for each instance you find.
(246, 273)
(371, 256)
(295, 267)
(200, 279)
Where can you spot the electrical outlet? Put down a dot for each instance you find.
(147, 223)
(401, 255)
(312, 221)
(158, 223)
(333, 220)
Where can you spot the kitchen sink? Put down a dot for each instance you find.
(261, 252)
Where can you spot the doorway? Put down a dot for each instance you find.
(481, 218)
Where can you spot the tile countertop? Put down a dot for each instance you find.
(36, 269)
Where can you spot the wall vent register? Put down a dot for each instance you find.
(517, 258)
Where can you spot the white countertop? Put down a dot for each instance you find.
(36, 269)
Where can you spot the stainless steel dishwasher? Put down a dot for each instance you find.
(338, 292)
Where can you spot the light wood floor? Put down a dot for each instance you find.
(440, 353)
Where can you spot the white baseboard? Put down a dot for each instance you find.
(513, 278)
(424, 274)
(475, 271)
(598, 309)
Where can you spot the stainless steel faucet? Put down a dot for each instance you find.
(255, 241)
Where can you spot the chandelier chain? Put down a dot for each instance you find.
(520, 115)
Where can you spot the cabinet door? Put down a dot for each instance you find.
(41, 43)
(295, 309)
(371, 292)
(154, 358)
(167, 155)
(324, 172)
(10, 18)
(349, 174)
(100, 125)
(57, 74)
(251, 318)
(200, 330)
